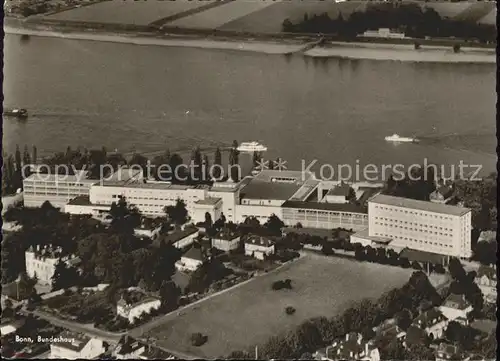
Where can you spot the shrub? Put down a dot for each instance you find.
(456, 48)
(278, 285)
(198, 339)
(289, 310)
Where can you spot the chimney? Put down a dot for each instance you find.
(359, 338)
(347, 337)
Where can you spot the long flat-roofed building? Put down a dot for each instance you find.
(421, 225)
(324, 215)
(58, 189)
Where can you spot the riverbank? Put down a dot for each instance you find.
(283, 46)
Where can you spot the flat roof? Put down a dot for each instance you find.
(334, 207)
(67, 178)
(421, 256)
(143, 185)
(342, 189)
(209, 201)
(123, 175)
(258, 189)
(268, 175)
(420, 205)
(179, 234)
(77, 343)
(80, 201)
(364, 234)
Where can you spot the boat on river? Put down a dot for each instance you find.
(396, 138)
(20, 113)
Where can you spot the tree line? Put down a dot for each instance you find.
(12, 175)
(412, 19)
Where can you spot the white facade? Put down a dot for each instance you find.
(188, 264)
(72, 348)
(57, 189)
(134, 311)
(258, 247)
(260, 211)
(226, 242)
(212, 206)
(41, 263)
(325, 218)
(90, 209)
(229, 192)
(421, 225)
(383, 33)
(149, 198)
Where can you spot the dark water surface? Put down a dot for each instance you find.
(336, 111)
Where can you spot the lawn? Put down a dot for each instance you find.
(270, 18)
(250, 314)
(476, 11)
(448, 10)
(128, 12)
(490, 19)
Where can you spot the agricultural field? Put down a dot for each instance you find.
(476, 11)
(490, 19)
(249, 314)
(447, 9)
(218, 16)
(128, 12)
(270, 19)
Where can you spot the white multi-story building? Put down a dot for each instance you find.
(133, 311)
(41, 262)
(210, 205)
(72, 346)
(55, 188)
(421, 225)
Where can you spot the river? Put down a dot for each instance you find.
(335, 111)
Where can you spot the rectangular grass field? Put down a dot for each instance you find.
(250, 314)
(128, 12)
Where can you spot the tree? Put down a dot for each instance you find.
(217, 171)
(234, 162)
(456, 48)
(169, 294)
(178, 213)
(456, 269)
(403, 319)
(208, 220)
(18, 157)
(64, 276)
(26, 156)
(274, 225)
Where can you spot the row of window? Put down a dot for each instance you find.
(413, 240)
(416, 213)
(415, 229)
(425, 225)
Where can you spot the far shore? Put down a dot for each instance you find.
(335, 49)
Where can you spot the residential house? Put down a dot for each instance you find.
(134, 310)
(486, 279)
(9, 325)
(351, 347)
(154, 353)
(41, 262)
(433, 322)
(226, 240)
(456, 308)
(181, 237)
(487, 236)
(148, 228)
(415, 335)
(259, 246)
(72, 346)
(442, 194)
(387, 332)
(129, 348)
(446, 352)
(191, 260)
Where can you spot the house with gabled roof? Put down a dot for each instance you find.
(486, 279)
(456, 308)
(351, 347)
(432, 321)
(259, 246)
(70, 345)
(192, 259)
(129, 348)
(446, 352)
(226, 240)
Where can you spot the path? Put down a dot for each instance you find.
(78, 327)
